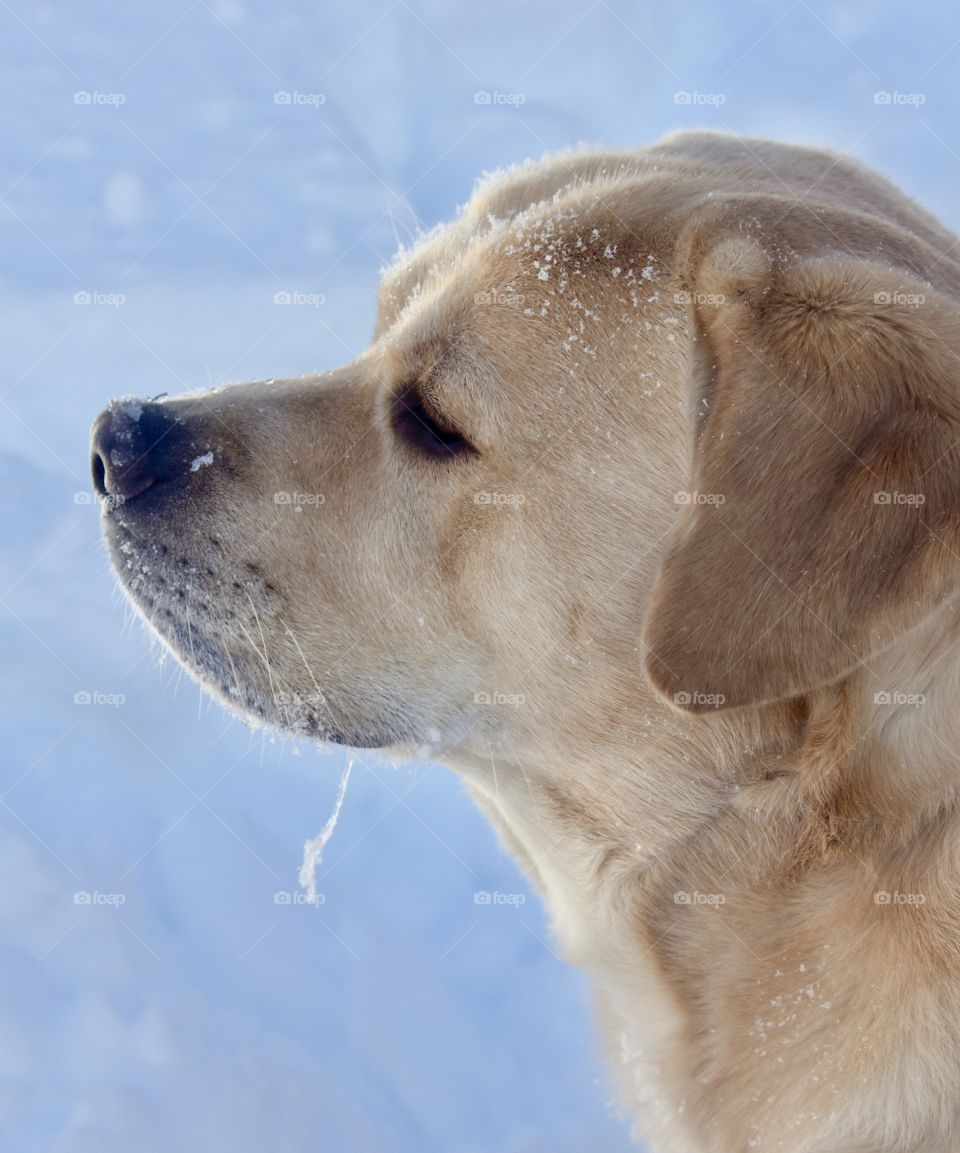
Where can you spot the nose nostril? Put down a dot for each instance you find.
(99, 470)
(135, 445)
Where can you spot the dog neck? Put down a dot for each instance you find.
(867, 761)
(667, 809)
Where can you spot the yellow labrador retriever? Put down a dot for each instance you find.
(641, 511)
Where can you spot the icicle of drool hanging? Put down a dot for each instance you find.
(313, 849)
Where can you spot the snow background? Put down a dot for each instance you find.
(199, 1013)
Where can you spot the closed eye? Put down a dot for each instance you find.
(419, 424)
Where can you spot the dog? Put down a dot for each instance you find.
(640, 512)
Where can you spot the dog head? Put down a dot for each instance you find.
(608, 451)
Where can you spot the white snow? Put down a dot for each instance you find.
(200, 462)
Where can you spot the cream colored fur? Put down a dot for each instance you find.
(703, 682)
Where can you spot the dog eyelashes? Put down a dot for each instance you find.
(415, 419)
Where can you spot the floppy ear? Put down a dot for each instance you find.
(821, 520)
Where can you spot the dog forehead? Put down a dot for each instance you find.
(554, 255)
(517, 212)
(452, 255)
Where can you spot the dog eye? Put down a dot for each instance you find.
(416, 420)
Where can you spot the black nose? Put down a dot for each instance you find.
(134, 445)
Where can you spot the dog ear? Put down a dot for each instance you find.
(821, 520)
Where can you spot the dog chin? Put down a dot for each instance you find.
(183, 603)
